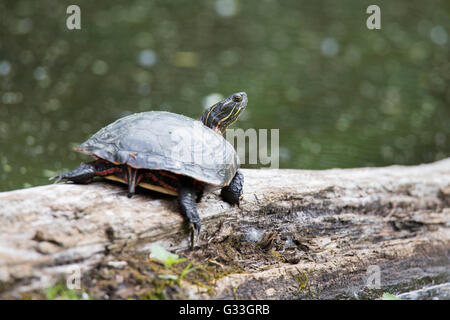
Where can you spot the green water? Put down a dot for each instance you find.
(340, 94)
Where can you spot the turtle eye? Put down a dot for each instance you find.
(237, 98)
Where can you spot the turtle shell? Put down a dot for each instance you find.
(160, 140)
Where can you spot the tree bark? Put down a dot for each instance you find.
(297, 233)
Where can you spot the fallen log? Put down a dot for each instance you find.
(297, 234)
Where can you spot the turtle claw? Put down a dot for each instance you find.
(58, 178)
(195, 233)
(196, 228)
(81, 174)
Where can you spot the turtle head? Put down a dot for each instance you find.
(221, 115)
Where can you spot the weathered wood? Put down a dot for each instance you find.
(297, 233)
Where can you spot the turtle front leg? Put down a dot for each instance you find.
(188, 207)
(232, 193)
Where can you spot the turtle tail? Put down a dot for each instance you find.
(133, 180)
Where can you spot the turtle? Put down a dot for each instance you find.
(168, 153)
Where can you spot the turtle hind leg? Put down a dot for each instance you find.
(84, 173)
(188, 207)
(233, 191)
(199, 196)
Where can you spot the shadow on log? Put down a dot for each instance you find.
(298, 234)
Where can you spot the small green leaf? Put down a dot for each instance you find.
(60, 292)
(159, 253)
(388, 296)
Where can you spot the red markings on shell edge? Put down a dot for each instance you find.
(167, 174)
(159, 181)
(108, 171)
(151, 175)
(165, 185)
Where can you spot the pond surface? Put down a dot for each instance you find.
(341, 95)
